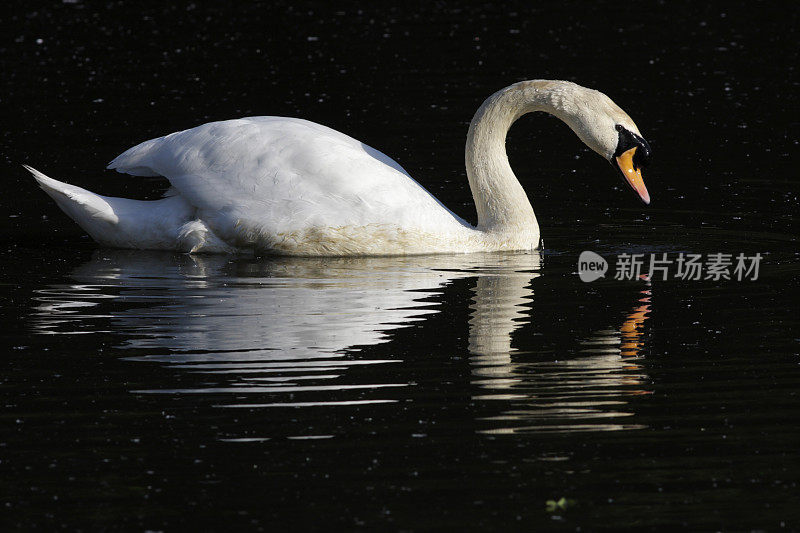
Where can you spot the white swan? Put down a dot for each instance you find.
(289, 186)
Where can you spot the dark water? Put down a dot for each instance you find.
(155, 391)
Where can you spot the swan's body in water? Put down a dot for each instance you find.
(290, 186)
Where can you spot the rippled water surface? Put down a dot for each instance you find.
(160, 391)
(386, 389)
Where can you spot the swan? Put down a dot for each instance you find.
(288, 186)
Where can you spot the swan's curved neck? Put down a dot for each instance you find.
(502, 204)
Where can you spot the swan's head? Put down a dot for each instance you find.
(609, 131)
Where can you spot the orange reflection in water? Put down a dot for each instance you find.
(631, 329)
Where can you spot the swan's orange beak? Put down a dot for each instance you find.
(632, 174)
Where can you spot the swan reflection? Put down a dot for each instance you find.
(579, 391)
(299, 332)
(259, 326)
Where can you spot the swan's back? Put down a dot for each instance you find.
(275, 178)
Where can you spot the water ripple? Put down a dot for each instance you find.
(299, 333)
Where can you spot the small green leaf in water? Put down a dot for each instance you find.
(558, 505)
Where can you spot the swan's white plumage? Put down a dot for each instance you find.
(269, 182)
(290, 186)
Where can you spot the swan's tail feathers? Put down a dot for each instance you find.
(121, 222)
(89, 210)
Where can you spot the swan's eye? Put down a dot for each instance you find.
(625, 141)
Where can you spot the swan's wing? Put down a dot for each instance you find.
(274, 174)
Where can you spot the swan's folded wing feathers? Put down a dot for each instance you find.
(273, 175)
(136, 161)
